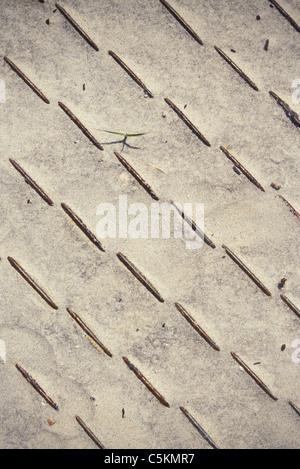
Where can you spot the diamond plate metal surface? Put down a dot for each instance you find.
(232, 294)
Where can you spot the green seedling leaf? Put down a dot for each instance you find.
(111, 132)
(121, 133)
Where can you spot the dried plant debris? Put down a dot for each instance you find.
(282, 283)
(275, 186)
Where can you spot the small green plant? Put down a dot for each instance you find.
(122, 134)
